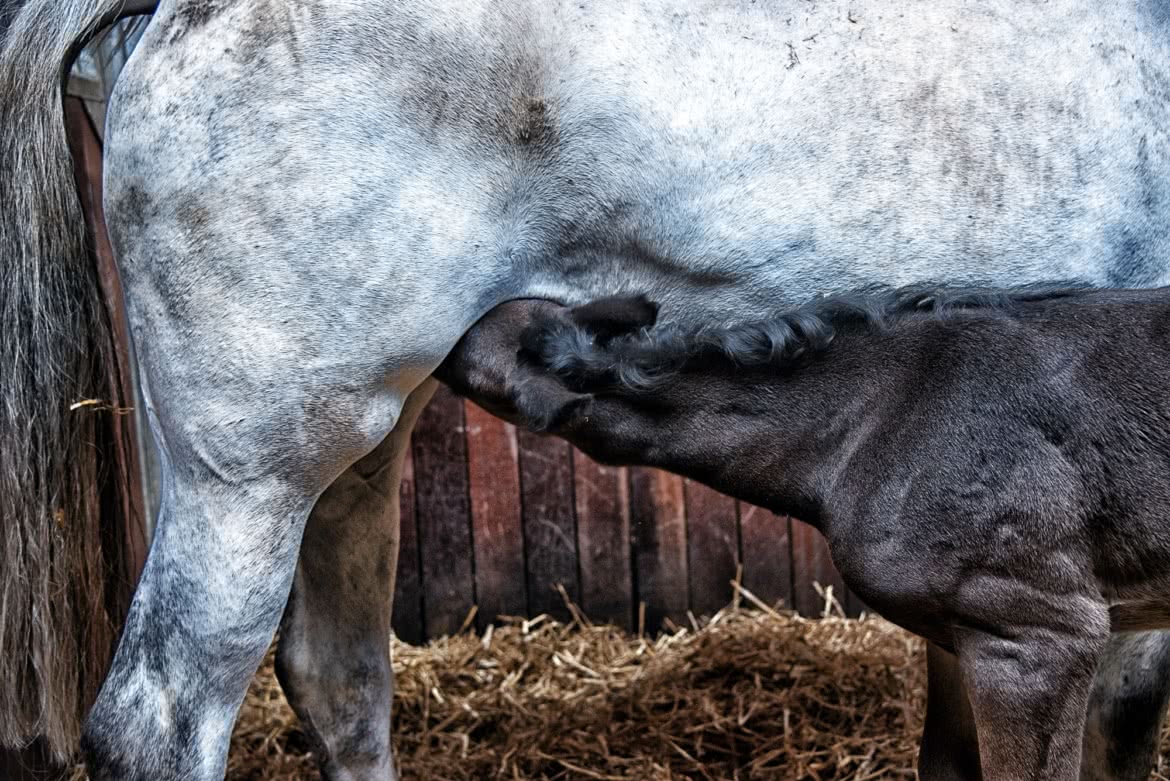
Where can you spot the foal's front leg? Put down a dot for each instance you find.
(1030, 693)
(333, 658)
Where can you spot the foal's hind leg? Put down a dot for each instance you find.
(1030, 692)
(333, 658)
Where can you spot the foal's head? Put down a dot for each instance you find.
(711, 401)
(501, 365)
(568, 359)
(603, 377)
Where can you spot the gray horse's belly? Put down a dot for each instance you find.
(409, 167)
(725, 156)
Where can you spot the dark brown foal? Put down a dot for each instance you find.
(991, 468)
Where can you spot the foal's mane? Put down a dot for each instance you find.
(651, 356)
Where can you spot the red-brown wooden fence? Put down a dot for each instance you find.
(498, 519)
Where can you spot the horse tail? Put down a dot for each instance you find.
(56, 347)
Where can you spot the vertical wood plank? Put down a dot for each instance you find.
(407, 617)
(712, 547)
(811, 563)
(444, 522)
(767, 554)
(126, 477)
(550, 534)
(121, 520)
(658, 521)
(494, 480)
(601, 497)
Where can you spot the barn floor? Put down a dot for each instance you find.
(754, 694)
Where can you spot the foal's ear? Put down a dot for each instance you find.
(545, 405)
(615, 315)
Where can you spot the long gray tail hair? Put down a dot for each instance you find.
(58, 530)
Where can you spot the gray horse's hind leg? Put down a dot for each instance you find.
(205, 610)
(238, 490)
(1129, 698)
(333, 658)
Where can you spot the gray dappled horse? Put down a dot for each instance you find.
(990, 467)
(312, 200)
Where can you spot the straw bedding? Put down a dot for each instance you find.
(751, 694)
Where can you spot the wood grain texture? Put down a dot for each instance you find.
(811, 564)
(123, 491)
(550, 534)
(658, 523)
(601, 496)
(444, 518)
(767, 554)
(493, 470)
(500, 517)
(712, 547)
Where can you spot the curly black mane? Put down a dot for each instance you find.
(642, 359)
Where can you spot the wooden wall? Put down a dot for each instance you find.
(496, 518)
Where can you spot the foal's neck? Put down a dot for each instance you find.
(790, 452)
